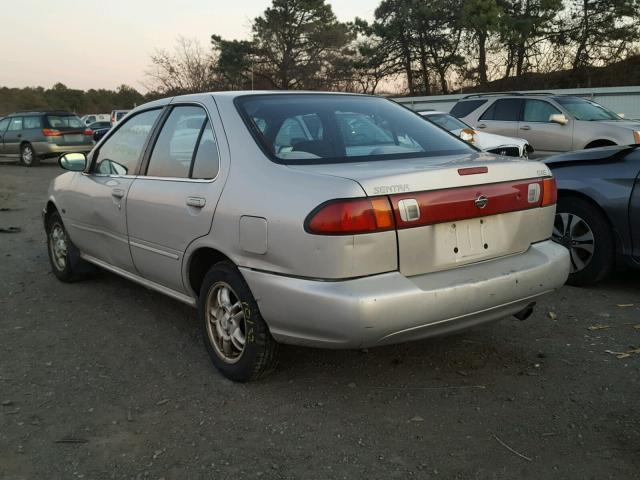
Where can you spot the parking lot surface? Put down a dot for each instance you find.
(106, 379)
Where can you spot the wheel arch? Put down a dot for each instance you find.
(49, 209)
(601, 142)
(198, 264)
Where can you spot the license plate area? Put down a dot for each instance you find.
(73, 138)
(465, 240)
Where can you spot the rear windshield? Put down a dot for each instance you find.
(325, 128)
(586, 110)
(61, 121)
(464, 108)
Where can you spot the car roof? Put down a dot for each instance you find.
(42, 112)
(243, 93)
(432, 112)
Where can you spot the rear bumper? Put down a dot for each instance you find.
(46, 149)
(392, 308)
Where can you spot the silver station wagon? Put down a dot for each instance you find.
(325, 220)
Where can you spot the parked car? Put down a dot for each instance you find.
(94, 117)
(327, 220)
(33, 136)
(598, 212)
(117, 115)
(550, 123)
(489, 142)
(99, 129)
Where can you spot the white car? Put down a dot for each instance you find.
(489, 142)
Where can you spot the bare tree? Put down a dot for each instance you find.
(189, 68)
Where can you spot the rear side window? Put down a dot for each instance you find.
(119, 155)
(538, 111)
(505, 110)
(32, 122)
(464, 108)
(4, 123)
(15, 124)
(64, 121)
(206, 162)
(176, 144)
(328, 128)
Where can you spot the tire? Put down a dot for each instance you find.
(583, 229)
(64, 256)
(226, 319)
(28, 156)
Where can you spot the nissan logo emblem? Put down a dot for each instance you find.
(481, 201)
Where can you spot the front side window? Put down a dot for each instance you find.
(32, 122)
(15, 124)
(64, 121)
(465, 107)
(120, 154)
(326, 128)
(504, 110)
(174, 150)
(538, 111)
(586, 110)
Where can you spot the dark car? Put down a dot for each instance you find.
(99, 129)
(598, 210)
(32, 136)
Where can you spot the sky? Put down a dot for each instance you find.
(103, 44)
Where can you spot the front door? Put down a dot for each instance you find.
(545, 137)
(173, 204)
(97, 221)
(13, 136)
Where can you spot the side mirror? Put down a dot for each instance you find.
(467, 134)
(558, 118)
(74, 162)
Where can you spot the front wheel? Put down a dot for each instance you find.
(583, 229)
(234, 333)
(28, 155)
(64, 256)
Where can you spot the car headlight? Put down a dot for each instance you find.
(467, 135)
(636, 136)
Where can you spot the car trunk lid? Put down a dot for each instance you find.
(452, 211)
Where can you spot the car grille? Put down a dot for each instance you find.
(506, 151)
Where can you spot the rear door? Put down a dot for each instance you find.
(13, 136)
(4, 123)
(96, 209)
(544, 136)
(173, 203)
(501, 117)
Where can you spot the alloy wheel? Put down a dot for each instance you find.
(574, 233)
(59, 246)
(225, 322)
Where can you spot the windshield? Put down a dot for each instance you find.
(326, 128)
(61, 121)
(586, 110)
(446, 121)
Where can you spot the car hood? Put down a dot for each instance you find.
(487, 141)
(602, 154)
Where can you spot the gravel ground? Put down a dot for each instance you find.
(105, 379)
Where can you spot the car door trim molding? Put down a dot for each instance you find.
(154, 250)
(140, 280)
(86, 228)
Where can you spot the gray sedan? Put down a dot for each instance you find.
(327, 220)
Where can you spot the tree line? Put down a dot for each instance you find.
(410, 46)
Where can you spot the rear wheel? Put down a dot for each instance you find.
(28, 155)
(584, 230)
(234, 333)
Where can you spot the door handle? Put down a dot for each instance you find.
(526, 127)
(481, 125)
(117, 192)
(197, 202)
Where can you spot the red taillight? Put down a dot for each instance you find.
(348, 217)
(88, 132)
(549, 192)
(472, 170)
(50, 132)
